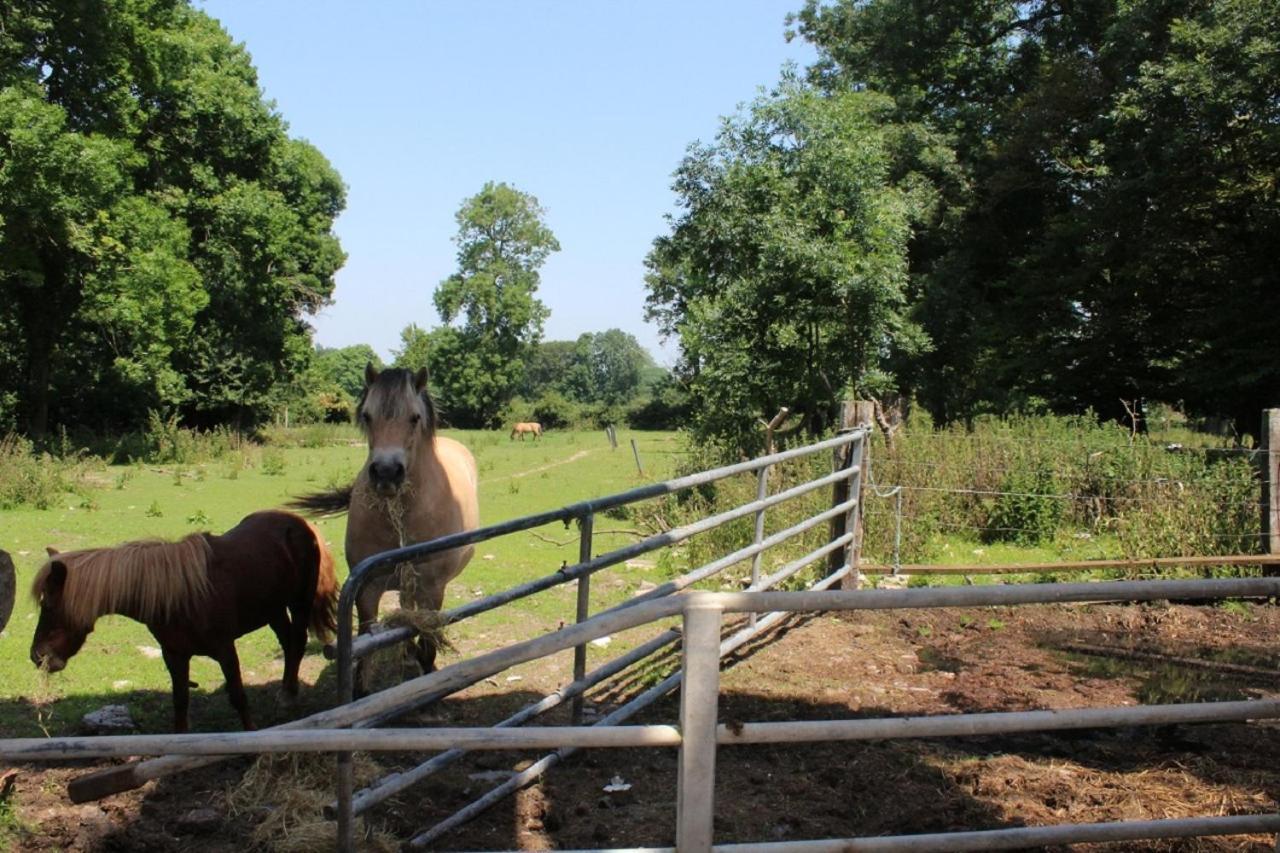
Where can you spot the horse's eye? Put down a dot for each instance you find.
(414, 418)
(364, 416)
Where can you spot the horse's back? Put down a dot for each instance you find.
(269, 560)
(463, 476)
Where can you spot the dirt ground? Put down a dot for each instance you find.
(820, 667)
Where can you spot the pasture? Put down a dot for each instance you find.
(120, 663)
(814, 667)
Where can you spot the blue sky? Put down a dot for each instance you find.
(587, 106)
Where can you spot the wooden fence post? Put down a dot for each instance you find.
(853, 414)
(1270, 467)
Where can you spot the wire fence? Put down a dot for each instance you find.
(1065, 485)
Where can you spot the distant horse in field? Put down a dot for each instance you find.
(415, 486)
(197, 596)
(529, 427)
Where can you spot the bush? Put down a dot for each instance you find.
(1028, 509)
(33, 479)
(669, 407)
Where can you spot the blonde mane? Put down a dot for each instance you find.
(149, 580)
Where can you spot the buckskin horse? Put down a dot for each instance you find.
(530, 427)
(196, 596)
(415, 486)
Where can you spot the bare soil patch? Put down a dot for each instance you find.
(825, 667)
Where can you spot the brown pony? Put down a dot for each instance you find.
(532, 427)
(415, 486)
(197, 596)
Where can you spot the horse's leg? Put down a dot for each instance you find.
(230, 663)
(286, 632)
(431, 597)
(179, 667)
(366, 616)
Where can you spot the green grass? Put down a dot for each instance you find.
(123, 502)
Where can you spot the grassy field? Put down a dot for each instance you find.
(119, 663)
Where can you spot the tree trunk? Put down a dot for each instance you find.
(45, 311)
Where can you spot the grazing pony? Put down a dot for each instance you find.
(197, 596)
(532, 427)
(415, 486)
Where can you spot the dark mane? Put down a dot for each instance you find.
(392, 397)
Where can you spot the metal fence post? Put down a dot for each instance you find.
(762, 489)
(586, 526)
(699, 697)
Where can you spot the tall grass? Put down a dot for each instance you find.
(1044, 482)
(29, 478)
(1032, 480)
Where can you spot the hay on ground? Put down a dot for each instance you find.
(286, 794)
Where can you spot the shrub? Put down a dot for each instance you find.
(1027, 510)
(30, 478)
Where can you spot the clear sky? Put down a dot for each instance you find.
(587, 106)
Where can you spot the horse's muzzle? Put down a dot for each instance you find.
(47, 661)
(386, 477)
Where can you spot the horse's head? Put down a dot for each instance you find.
(57, 637)
(395, 412)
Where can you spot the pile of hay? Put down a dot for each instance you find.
(285, 795)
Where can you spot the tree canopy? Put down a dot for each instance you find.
(492, 316)
(785, 271)
(161, 235)
(1120, 163)
(989, 207)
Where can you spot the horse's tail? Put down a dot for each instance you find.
(324, 607)
(331, 502)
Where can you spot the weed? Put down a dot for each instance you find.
(1239, 608)
(12, 827)
(273, 463)
(154, 511)
(198, 518)
(33, 479)
(995, 625)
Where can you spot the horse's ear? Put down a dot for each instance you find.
(370, 373)
(420, 380)
(57, 577)
(51, 551)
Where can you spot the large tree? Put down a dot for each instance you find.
(606, 367)
(160, 234)
(784, 274)
(492, 315)
(1121, 158)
